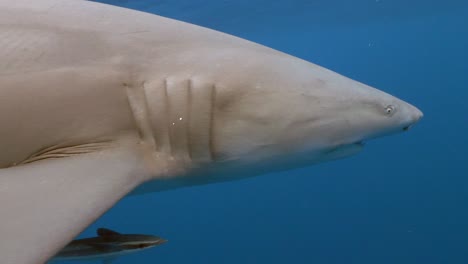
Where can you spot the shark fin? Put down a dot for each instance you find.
(107, 233)
(45, 204)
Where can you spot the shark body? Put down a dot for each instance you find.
(97, 100)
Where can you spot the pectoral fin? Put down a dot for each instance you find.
(45, 204)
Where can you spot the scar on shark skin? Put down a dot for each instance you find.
(63, 151)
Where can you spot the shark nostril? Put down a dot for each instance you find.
(407, 128)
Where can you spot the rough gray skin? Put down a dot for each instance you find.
(96, 100)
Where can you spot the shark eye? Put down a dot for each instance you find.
(389, 110)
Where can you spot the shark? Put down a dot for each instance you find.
(107, 246)
(98, 102)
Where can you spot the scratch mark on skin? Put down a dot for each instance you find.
(63, 151)
(134, 32)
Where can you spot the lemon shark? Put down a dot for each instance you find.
(96, 100)
(107, 246)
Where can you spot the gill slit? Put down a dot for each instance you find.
(167, 110)
(211, 125)
(139, 108)
(188, 121)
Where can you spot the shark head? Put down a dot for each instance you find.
(286, 107)
(97, 100)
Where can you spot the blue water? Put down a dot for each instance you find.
(404, 199)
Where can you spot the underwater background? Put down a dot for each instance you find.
(403, 199)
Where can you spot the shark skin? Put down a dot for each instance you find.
(107, 246)
(97, 100)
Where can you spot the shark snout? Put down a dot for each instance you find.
(414, 115)
(418, 115)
